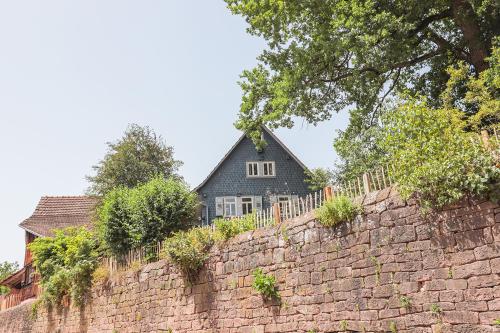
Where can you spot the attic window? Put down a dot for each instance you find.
(268, 169)
(252, 169)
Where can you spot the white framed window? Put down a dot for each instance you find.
(246, 205)
(252, 169)
(268, 169)
(230, 206)
(261, 169)
(283, 201)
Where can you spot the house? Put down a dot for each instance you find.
(248, 180)
(50, 214)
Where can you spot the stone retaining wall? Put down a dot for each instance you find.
(356, 277)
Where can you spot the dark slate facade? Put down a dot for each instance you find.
(229, 181)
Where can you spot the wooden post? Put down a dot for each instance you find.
(485, 137)
(366, 183)
(277, 213)
(328, 193)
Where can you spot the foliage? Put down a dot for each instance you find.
(405, 302)
(136, 158)
(116, 225)
(65, 263)
(496, 322)
(344, 325)
(145, 215)
(189, 249)
(324, 56)
(435, 309)
(336, 210)
(100, 275)
(228, 228)
(392, 327)
(476, 96)
(318, 178)
(6, 269)
(436, 159)
(265, 284)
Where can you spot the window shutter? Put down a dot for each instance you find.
(258, 203)
(219, 206)
(239, 209)
(273, 198)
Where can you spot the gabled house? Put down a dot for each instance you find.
(50, 214)
(248, 180)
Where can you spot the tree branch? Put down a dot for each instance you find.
(428, 20)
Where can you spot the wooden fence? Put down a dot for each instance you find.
(17, 296)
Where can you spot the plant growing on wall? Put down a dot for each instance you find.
(336, 210)
(188, 250)
(265, 284)
(65, 263)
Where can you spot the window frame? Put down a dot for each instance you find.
(234, 203)
(272, 164)
(245, 203)
(255, 167)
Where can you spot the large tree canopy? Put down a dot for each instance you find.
(137, 157)
(328, 55)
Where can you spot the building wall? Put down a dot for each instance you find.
(230, 179)
(352, 275)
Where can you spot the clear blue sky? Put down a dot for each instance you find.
(73, 74)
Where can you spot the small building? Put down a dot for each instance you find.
(248, 180)
(50, 214)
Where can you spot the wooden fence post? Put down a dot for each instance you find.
(366, 183)
(485, 137)
(277, 213)
(328, 193)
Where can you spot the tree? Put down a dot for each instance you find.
(6, 269)
(318, 178)
(326, 55)
(136, 158)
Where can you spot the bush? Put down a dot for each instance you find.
(265, 284)
(226, 229)
(145, 215)
(188, 250)
(65, 263)
(435, 158)
(336, 210)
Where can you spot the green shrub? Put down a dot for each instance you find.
(265, 284)
(65, 263)
(228, 228)
(336, 210)
(188, 250)
(435, 158)
(145, 215)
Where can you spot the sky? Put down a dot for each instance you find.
(74, 74)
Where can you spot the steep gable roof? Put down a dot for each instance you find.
(271, 134)
(54, 212)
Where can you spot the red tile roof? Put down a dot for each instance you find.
(60, 212)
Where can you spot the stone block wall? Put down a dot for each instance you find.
(391, 270)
